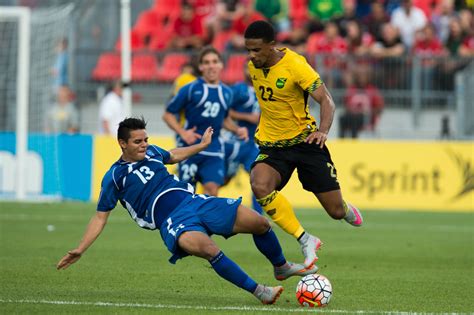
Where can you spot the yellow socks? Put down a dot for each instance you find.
(281, 212)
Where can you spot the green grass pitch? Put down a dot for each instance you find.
(400, 262)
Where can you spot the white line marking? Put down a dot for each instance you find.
(217, 308)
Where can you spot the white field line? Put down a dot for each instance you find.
(217, 308)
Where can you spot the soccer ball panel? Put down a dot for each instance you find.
(314, 291)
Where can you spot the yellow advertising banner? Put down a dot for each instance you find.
(433, 176)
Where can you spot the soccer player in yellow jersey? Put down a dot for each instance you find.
(289, 138)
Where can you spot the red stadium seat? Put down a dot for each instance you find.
(167, 8)
(148, 23)
(108, 67)
(234, 69)
(136, 42)
(221, 39)
(144, 67)
(171, 66)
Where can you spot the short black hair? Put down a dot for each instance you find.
(130, 124)
(260, 30)
(208, 50)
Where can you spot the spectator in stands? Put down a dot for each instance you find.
(389, 50)
(363, 104)
(374, 21)
(447, 69)
(247, 16)
(455, 37)
(60, 68)
(225, 13)
(427, 46)
(187, 29)
(62, 117)
(333, 48)
(348, 15)
(408, 19)
(276, 12)
(296, 39)
(467, 21)
(358, 42)
(441, 18)
(322, 11)
(111, 110)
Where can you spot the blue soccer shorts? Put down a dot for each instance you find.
(239, 153)
(209, 215)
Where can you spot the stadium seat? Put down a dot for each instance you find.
(136, 42)
(108, 67)
(221, 39)
(160, 38)
(144, 67)
(168, 9)
(148, 23)
(171, 66)
(234, 68)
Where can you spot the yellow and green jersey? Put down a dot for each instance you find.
(282, 91)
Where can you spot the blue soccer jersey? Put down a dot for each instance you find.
(204, 105)
(245, 101)
(139, 185)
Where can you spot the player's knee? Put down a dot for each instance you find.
(336, 211)
(260, 188)
(209, 251)
(262, 225)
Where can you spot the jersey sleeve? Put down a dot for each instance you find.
(305, 76)
(178, 102)
(160, 151)
(109, 193)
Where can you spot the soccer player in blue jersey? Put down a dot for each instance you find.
(246, 112)
(156, 199)
(205, 102)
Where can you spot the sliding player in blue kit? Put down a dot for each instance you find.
(205, 102)
(245, 111)
(155, 199)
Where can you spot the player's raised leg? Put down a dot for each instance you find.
(249, 221)
(201, 245)
(264, 180)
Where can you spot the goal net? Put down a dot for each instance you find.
(27, 55)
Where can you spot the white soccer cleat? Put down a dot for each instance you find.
(354, 217)
(291, 269)
(309, 245)
(268, 295)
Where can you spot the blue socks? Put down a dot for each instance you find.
(230, 271)
(269, 246)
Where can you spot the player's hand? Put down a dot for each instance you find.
(317, 137)
(242, 133)
(71, 257)
(207, 136)
(190, 136)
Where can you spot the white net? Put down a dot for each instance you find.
(48, 27)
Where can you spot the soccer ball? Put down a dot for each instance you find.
(314, 291)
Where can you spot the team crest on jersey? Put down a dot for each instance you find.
(280, 83)
(261, 157)
(231, 201)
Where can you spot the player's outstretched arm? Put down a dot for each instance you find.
(189, 136)
(241, 132)
(327, 108)
(180, 154)
(95, 227)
